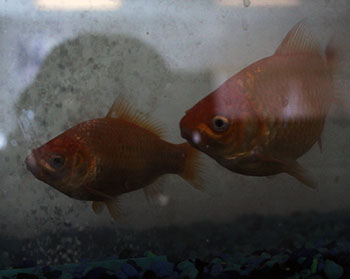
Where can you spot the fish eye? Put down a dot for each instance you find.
(57, 161)
(220, 123)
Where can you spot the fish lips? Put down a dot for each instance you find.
(193, 136)
(32, 165)
(186, 133)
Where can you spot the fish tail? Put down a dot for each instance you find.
(332, 55)
(192, 166)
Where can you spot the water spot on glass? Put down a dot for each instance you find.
(240, 83)
(341, 5)
(284, 101)
(13, 142)
(30, 114)
(244, 24)
(3, 141)
(246, 3)
(163, 200)
(336, 179)
(285, 124)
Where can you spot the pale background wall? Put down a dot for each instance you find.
(58, 68)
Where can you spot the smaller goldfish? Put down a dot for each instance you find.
(262, 119)
(101, 159)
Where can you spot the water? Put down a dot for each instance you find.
(61, 65)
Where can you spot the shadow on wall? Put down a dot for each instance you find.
(79, 80)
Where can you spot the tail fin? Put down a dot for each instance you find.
(332, 55)
(193, 167)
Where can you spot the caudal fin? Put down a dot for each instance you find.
(193, 168)
(332, 55)
(334, 58)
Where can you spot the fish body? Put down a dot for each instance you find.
(100, 159)
(269, 114)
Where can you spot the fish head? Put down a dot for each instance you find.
(64, 163)
(214, 125)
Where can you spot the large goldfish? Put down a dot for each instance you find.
(101, 159)
(266, 116)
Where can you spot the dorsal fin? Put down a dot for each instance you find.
(121, 109)
(298, 40)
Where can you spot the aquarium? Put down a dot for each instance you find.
(252, 180)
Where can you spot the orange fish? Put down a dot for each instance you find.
(101, 159)
(266, 116)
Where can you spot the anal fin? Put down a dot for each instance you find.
(114, 209)
(111, 203)
(152, 191)
(97, 206)
(292, 168)
(301, 174)
(320, 144)
(193, 167)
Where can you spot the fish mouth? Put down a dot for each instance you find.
(32, 165)
(185, 132)
(194, 138)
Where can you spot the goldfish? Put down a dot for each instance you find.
(266, 116)
(99, 160)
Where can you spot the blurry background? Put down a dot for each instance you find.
(62, 62)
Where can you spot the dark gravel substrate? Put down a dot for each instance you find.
(308, 245)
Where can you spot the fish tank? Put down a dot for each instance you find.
(174, 139)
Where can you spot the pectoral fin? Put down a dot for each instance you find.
(97, 193)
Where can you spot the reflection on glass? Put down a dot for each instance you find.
(78, 4)
(3, 141)
(247, 3)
